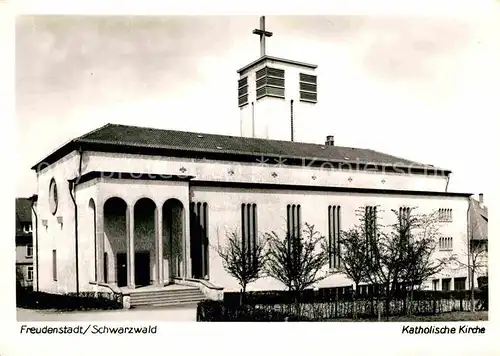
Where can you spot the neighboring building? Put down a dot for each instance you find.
(478, 252)
(24, 242)
(129, 206)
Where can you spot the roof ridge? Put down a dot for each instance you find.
(405, 159)
(221, 135)
(163, 138)
(95, 130)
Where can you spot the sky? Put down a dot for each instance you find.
(416, 87)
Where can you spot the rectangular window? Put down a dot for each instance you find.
(29, 274)
(371, 231)
(270, 82)
(199, 240)
(29, 251)
(445, 215)
(308, 87)
(242, 91)
(54, 265)
(334, 235)
(435, 284)
(445, 243)
(446, 284)
(249, 229)
(459, 283)
(293, 213)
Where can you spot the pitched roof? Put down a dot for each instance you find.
(23, 215)
(122, 138)
(478, 220)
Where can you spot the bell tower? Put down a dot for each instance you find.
(277, 97)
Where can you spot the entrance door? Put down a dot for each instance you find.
(142, 269)
(121, 269)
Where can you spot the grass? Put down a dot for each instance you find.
(451, 316)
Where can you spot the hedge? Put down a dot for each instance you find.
(69, 301)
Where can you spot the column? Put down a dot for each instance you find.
(130, 247)
(159, 245)
(187, 243)
(99, 241)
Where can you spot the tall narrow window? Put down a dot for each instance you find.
(334, 235)
(445, 215)
(29, 274)
(270, 82)
(445, 243)
(293, 220)
(308, 88)
(243, 91)
(199, 239)
(249, 230)
(404, 223)
(371, 231)
(105, 267)
(54, 265)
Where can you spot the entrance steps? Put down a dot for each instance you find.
(165, 297)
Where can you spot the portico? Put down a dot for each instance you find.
(140, 228)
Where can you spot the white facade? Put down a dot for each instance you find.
(248, 183)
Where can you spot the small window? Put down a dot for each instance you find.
(445, 243)
(29, 274)
(54, 265)
(445, 215)
(29, 250)
(435, 284)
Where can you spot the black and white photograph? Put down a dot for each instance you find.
(253, 168)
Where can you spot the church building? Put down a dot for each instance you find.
(134, 209)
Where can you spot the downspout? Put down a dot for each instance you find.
(36, 241)
(72, 192)
(447, 182)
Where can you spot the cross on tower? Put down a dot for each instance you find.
(263, 34)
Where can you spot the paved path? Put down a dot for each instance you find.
(183, 313)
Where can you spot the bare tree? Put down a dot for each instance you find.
(297, 259)
(243, 263)
(403, 254)
(352, 257)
